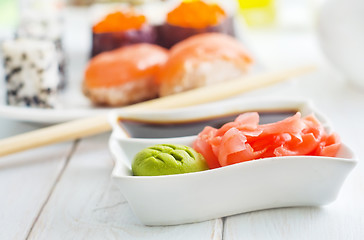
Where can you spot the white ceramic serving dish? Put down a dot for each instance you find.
(239, 188)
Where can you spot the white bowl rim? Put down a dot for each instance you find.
(298, 103)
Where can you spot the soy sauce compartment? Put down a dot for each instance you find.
(144, 129)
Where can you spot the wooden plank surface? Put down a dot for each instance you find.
(26, 181)
(86, 205)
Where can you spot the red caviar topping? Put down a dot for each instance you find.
(196, 14)
(120, 21)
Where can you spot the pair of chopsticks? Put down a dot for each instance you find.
(95, 125)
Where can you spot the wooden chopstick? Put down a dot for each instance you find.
(95, 125)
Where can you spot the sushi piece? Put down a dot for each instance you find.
(202, 60)
(120, 29)
(125, 75)
(40, 26)
(191, 18)
(31, 73)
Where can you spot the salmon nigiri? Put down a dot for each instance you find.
(125, 75)
(201, 60)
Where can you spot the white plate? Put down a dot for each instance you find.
(239, 188)
(68, 111)
(73, 104)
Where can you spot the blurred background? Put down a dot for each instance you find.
(276, 31)
(257, 13)
(255, 17)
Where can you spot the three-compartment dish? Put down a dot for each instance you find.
(243, 187)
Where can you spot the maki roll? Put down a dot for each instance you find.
(40, 26)
(120, 29)
(191, 18)
(201, 60)
(125, 75)
(31, 73)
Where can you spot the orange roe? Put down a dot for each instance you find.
(120, 21)
(196, 14)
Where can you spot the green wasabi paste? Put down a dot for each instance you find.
(166, 159)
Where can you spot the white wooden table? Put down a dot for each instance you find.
(64, 191)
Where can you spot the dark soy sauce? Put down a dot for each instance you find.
(148, 129)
